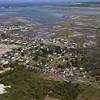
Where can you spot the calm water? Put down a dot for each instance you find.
(48, 15)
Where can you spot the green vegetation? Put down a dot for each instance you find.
(56, 57)
(89, 93)
(29, 85)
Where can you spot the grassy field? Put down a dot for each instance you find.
(29, 85)
(89, 93)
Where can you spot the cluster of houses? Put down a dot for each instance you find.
(42, 51)
(47, 52)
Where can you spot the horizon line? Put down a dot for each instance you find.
(48, 1)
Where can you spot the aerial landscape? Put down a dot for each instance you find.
(49, 50)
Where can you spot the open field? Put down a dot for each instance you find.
(89, 93)
(28, 85)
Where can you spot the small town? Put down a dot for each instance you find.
(49, 50)
(56, 56)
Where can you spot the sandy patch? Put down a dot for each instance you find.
(3, 88)
(5, 70)
(74, 35)
(50, 98)
(4, 48)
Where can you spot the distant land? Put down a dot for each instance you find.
(69, 4)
